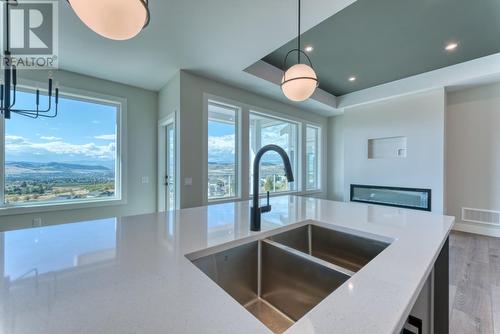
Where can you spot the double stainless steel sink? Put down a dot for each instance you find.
(281, 278)
(343, 249)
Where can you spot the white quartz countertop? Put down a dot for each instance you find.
(131, 275)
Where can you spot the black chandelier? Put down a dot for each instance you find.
(8, 88)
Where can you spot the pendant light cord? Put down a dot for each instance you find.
(298, 36)
(7, 26)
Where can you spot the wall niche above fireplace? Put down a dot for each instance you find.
(387, 148)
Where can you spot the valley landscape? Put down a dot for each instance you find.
(222, 178)
(44, 182)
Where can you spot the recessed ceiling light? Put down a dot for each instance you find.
(451, 46)
(309, 48)
(352, 79)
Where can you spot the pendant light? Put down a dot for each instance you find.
(113, 19)
(299, 81)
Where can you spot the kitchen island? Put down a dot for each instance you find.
(135, 274)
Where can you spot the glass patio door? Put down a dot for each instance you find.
(170, 168)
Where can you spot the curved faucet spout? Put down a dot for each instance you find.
(256, 210)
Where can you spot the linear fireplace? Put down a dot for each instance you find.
(408, 198)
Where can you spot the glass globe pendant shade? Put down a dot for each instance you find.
(299, 82)
(113, 19)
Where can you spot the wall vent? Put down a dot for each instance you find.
(479, 216)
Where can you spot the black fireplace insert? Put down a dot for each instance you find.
(408, 198)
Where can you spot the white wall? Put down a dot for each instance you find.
(191, 123)
(142, 111)
(336, 158)
(473, 153)
(420, 118)
(169, 98)
(169, 103)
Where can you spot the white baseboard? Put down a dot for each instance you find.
(490, 231)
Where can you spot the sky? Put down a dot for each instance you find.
(58, 139)
(221, 143)
(93, 141)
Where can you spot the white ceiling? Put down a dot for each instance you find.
(219, 39)
(213, 38)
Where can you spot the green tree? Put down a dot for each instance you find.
(269, 184)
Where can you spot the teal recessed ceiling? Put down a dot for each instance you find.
(379, 41)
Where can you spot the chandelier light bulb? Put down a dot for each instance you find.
(299, 82)
(113, 19)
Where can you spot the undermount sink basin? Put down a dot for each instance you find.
(346, 250)
(279, 279)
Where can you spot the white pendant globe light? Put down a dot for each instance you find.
(299, 81)
(113, 19)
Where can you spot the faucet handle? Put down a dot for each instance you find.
(266, 208)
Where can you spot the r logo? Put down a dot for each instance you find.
(31, 28)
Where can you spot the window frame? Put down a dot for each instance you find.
(319, 160)
(298, 164)
(120, 197)
(244, 148)
(209, 99)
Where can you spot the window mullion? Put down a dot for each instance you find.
(2, 161)
(303, 156)
(244, 154)
(312, 157)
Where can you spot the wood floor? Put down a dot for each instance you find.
(474, 284)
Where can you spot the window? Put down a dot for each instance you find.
(222, 151)
(312, 158)
(266, 130)
(236, 132)
(70, 158)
